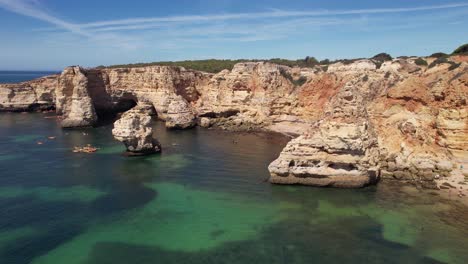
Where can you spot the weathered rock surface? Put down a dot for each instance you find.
(397, 121)
(73, 99)
(38, 94)
(180, 114)
(341, 151)
(135, 130)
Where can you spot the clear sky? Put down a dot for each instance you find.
(52, 34)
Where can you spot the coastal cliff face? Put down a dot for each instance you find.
(34, 95)
(353, 123)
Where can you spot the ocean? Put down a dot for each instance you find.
(204, 199)
(21, 76)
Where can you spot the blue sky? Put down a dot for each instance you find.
(52, 34)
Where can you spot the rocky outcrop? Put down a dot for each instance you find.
(73, 99)
(135, 130)
(180, 114)
(354, 121)
(341, 151)
(452, 131)
(38, 94)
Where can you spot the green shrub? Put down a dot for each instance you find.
(215, 66)
(299, 82)
(420, 62)
(378, 64)
(453, 66)
(462, 50)
(437, 62)
(381, 57)
(439, 55)
(325, 62)
(310, 61)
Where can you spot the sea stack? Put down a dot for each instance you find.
(135, 130)
(73, 99)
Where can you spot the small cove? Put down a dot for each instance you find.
(204, 199)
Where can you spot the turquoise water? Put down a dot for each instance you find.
(204, 199)
(21, 76)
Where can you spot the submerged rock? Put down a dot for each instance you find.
(180, 114)
(135, 130)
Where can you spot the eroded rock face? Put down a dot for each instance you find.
(135, 130)
(73, 99)
(341, 151)
(34, 95)
(180, 114)
(412, 115)
(336, 155)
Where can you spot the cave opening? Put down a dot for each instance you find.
(110, 112)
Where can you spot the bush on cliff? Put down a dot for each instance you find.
(453, 65)
(382, 57)
(437, 62)
(439, 55)
(420, 62)
(297, 82)
(215, 66)
(462, 50)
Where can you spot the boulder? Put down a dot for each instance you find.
(135, 130)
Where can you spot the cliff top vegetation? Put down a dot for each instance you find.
(217, 65)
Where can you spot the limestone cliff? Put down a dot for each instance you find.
(354, 122)
(34, 95)
(339, 151)
(73, 99)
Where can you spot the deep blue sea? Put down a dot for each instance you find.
(21, 76)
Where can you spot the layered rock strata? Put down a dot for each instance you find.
(34, 95)
(180, 114)
(73, 99)
(361, 120)
(340, 151)
(135, 130)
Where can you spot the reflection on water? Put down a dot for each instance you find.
(204, 199)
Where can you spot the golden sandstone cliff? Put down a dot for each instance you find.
(353, 124)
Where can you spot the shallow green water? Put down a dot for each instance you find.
(203, 200)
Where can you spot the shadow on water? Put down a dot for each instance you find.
(121, 200)
(286, 242)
